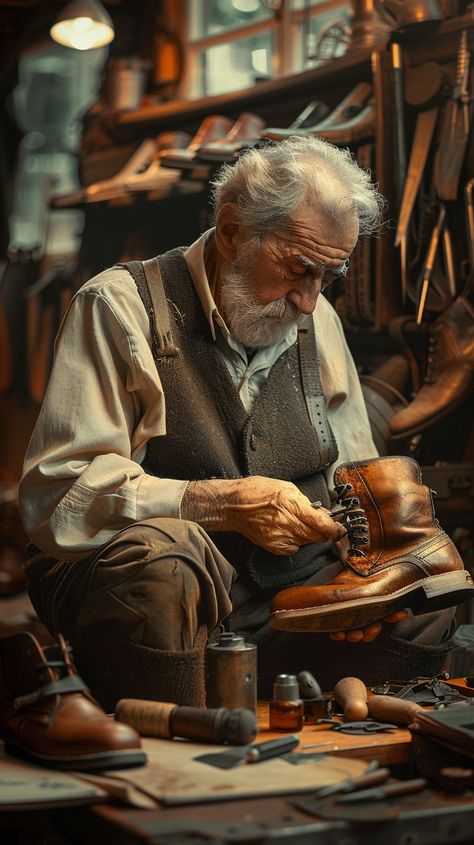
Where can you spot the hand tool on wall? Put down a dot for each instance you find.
(398, 115)
(454, 129)
(429, 263)
(250, 753)
(424, 130)
(159, 718)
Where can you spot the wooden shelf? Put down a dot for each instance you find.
(355, 65)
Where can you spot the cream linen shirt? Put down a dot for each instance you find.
(82, 479)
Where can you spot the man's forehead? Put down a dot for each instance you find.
(318, 236)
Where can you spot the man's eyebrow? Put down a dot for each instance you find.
(314, 266)
(317, 266)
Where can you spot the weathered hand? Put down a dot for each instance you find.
(278, 517)
(273, 514)
(369, 632)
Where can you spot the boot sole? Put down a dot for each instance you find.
(444, 412)
(437, 592)
(83, 763)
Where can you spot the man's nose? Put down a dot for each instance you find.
(305, 295)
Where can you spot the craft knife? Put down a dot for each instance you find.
(250, 753)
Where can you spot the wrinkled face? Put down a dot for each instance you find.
(269, 288)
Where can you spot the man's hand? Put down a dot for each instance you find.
(273, 514)
(369, 632)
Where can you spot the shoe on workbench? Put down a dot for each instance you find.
(400, 558)
(49, 717)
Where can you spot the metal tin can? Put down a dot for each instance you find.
(231, 673)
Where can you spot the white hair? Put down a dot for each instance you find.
(269, 183)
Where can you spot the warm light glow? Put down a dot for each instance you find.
(82, 33)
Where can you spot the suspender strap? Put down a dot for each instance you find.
(313, 392)
(163, 338)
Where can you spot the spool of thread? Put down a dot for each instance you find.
(231, 673)
(161, 719)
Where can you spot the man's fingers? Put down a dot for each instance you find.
(399, 616)
(319, 520)
(354, 636)
(338, 635)
(370, 632)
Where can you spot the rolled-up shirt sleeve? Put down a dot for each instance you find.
(82, 479)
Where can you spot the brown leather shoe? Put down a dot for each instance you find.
(399, 557)
(48, 715)
(212, 128)
(450, 372)
(246, 128)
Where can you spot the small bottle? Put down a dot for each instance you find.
(286, 707)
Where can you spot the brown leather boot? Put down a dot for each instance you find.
(450, 371)
(399, 557)
(48, 715)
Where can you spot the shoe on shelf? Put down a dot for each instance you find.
(357, 128)
(449, 376)
(49, 717)
(246, 128)
(313, 114)
(212, 128)
(400, 558)
(114, 187)
(155, 176)
(349, 108)
(13, 541)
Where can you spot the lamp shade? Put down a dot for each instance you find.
(83, 24)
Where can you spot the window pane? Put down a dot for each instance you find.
(238, 64)
(322, 37)
(210, 17)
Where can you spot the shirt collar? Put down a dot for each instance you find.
(194, 257)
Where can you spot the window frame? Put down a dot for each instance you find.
(284, 25)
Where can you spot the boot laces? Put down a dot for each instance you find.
(54, 661)
(354, 520)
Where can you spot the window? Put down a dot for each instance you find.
(235, 44)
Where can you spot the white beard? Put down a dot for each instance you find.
(253, 325)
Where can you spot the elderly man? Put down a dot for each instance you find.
(171, 480)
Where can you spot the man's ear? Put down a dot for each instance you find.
(229, 231)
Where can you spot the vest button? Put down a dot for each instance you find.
(253, 442)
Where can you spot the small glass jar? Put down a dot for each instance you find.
(286, 707)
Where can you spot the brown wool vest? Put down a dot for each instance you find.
(209, 433)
